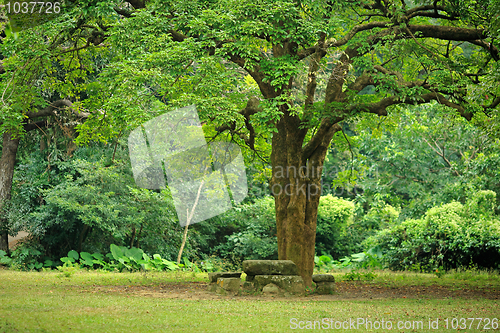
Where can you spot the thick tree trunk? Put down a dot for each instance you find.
(296, 186)
(7, 162)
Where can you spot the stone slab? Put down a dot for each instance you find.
(270, 267)
(271, 288)
(212, 277)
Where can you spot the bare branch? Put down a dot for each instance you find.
(492, 49)
(313, 70)
(493, 104)
(441, 154)
(251, 108)
(361, 82)
(327, 128)
(137, 4)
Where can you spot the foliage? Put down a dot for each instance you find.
(414, 159)
(449, 236)
(4, 258)
(335, 217)
(356, 275)
(125, 66)
(256, 238)
(27, 257)
(119, 258)
(85, 202)
(371, 259)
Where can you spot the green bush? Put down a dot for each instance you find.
(87, 202)
(255, 232)
(333, 233)
(452, 236)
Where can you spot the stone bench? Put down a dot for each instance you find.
(273, 276)
(269, 277)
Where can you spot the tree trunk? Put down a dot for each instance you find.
(296, 187)
(7, 162)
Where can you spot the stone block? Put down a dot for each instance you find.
(290, 283)
(249, 286)
(229, 284)
(270, 267)
(325, 288)
(323, 278)
(212, 277)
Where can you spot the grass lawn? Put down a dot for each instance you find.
(177, 302)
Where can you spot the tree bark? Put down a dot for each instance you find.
(7, 163)
(296, 187)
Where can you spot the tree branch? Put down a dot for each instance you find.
(380, 107)
(447, 32)
(53, 107)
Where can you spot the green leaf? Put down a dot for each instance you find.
(67, 260)
(134, 253)
(73, 254)
(86, 259)
(116, 251)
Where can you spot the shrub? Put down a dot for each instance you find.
(451, 235)
(254, 236)
(333, 236)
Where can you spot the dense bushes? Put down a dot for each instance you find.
(88, 202)
(250, 230)
(452, 236)
(256, 236)
(333, 235)
(343, 225)
(254, 230)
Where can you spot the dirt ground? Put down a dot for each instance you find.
(345, 291)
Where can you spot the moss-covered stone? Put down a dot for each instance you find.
(212, 277)
(323, 278)
(325, 288)
(270, 267)
(229, 284)
(290, 283)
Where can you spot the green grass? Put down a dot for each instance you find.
(49, 302)
(453, 279)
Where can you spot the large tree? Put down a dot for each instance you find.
(315, 64)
